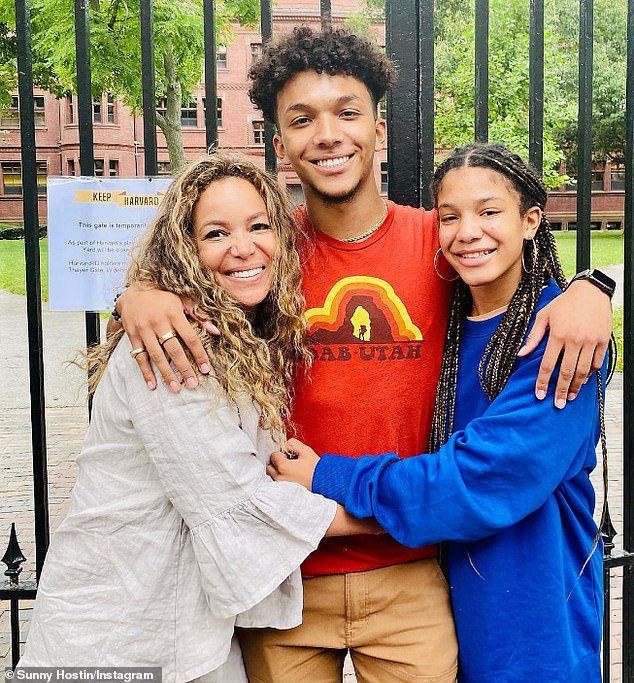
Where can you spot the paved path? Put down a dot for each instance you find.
(66, 417)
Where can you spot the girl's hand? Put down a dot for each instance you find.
(295, 463)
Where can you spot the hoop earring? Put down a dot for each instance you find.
(446, 279)
(533, 256)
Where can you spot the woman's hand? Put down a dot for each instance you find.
(295, 463)
(580, 324)
(148, 315)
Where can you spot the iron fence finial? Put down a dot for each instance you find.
(13, 558)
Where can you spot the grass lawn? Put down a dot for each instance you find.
(618, 335)
(606, 249)
(12, 267)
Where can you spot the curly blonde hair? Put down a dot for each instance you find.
(253, 357)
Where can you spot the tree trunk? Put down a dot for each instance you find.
(170, 123)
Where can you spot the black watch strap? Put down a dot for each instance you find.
(598, 279)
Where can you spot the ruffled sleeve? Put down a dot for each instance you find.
(248, 532)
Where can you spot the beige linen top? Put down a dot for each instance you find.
(175, 534)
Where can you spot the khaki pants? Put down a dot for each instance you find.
(396, 622)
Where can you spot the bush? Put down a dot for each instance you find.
(16, 232)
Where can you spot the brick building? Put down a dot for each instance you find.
(118, 133)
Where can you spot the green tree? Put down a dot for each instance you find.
(371, 13)
(609, 48)
(116, 51)
(509, 80)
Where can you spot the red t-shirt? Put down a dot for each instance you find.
(377, 314)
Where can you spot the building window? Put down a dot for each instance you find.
(38, 110)
(189, 114)
(164, 168)
(41, 177)
(110, 108)
(384, 177)
(218, 110)
(256, 51)
(96, 111)
(617, 177)
(12, 177)
(597, 176)
(70, 166)
(11, 119)
(70, 109)
(99, 167)
(161, 106)
(113, 168)
(258, 132)
(221, 57)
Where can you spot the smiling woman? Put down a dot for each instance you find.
(175, 533)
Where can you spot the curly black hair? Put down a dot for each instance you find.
(332, 51)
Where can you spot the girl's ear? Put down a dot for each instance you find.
(532, 221)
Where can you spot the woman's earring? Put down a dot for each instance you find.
(446, 279)
(533, 258)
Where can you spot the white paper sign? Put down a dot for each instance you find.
(92, 223)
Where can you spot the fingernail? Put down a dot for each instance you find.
(191, 382)
(204, 368)
(151, 385)
(541, 394)
(560, 403)
(174, 386)
(571, 396)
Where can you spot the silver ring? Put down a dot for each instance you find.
(135, 352)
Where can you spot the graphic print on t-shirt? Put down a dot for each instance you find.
(365, 312)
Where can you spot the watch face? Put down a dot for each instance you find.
(602, 278)
(602, 281)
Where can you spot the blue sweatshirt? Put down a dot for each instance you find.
(511, 493)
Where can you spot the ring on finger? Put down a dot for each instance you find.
(291, 454)
(164, 337)
(135, 352)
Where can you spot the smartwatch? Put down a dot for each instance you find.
(598, 279)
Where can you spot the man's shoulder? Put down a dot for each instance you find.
(415, 214)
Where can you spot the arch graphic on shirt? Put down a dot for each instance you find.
(361, 309)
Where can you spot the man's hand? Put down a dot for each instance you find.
(580, 324)
(295, 463)
(149, 314)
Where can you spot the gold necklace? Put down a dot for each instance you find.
(367, 233)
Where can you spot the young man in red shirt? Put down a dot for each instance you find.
(377, 304)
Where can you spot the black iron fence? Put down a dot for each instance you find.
(410, 42)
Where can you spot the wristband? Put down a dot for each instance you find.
(598, 279)
(114, 313)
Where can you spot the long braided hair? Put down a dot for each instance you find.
(540, 262)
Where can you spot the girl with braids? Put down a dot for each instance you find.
(175, 533)
(506, 482)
